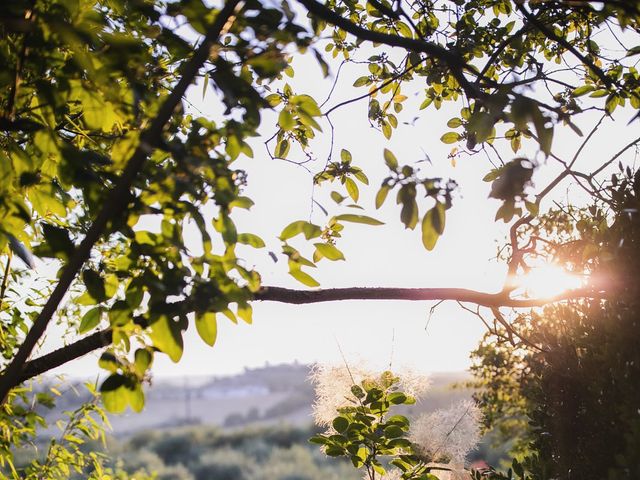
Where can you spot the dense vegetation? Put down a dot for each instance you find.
(568, 397)
(204, 453)
(273, 452)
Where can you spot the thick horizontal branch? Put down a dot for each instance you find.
(298, 297)
(491, 300)
(65, 354)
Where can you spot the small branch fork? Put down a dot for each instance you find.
(298, 297)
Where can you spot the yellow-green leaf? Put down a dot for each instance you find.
(304, 278)
(450, 137)
(250, 239)
(90, 320)
(207, 327)
(329, 251)
(166, 337)
(286, 120)
(350, 217)
(352, 189)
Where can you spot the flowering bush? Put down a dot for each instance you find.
(358, 409)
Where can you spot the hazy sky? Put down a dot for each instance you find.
(376, 256)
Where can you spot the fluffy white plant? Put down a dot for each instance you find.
(333, 387)
(448, 434)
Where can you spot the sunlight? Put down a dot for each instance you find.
(549, 280)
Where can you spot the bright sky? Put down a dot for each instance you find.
(376, 256)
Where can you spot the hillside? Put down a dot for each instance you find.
(273, 394)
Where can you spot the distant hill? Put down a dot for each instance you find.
(273, 394)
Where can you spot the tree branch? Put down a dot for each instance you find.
(450, 58)
(550, 34)
(298, 297)
(374, 91)
(65, 354)
(491, 300)
(118, 198)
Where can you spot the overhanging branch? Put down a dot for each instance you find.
(118, 198)
(491, 300)
(298, 297)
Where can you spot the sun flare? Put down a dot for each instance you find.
(548, 281)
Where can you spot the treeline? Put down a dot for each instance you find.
(274, 452)
(209, 453)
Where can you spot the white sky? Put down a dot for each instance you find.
(376, 256)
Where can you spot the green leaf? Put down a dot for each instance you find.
(599, 93)
(207, 327)
(167, 337)
(361, 177)
(633, 51)
(95, 285)
(142, 361)
(397, 398)
(294, 228)
(136, 397)
(386, 130)
(241, 202)
(109, 362)
(381, 196)
(114, 394)
(409, 213)
(583, 90)
(282, 148)
(393, 431)
(493, 174)
(340, 424)
(90, 320)
(120, 314)
(532, 208)
(245, 312)
(337, 197)
(225, 226)
(450, 137)
(398, 420)
(273, 99)
(350, 217)
(286, 120)
(432, 226)
(318, 440)
(329, 251)
(250, 239)
(439, 217)
(334, 451)
(361, 81)
(352, 189)
(390, 159)
(304, 278)
(57, 241)
(134, 295)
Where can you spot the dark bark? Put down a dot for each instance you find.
(298, 297)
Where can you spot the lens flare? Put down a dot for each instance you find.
(548, 281)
